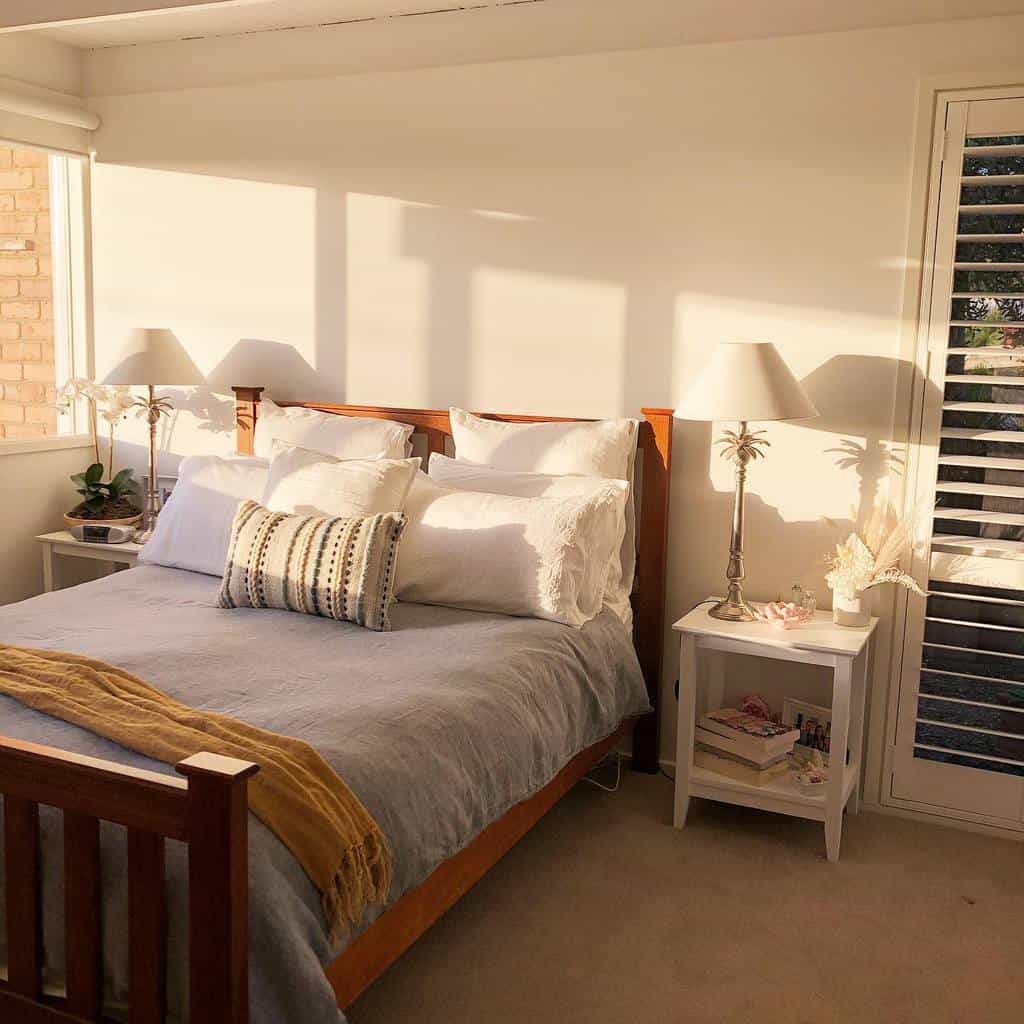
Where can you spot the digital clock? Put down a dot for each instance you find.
(101, 534)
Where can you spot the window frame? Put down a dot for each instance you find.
(72, 297)
(935, 94)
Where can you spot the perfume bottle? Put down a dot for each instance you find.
(810, 601)
(796, 595)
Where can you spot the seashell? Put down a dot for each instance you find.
(784, 614)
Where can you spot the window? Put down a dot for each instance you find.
(960, 732)
(42, 298)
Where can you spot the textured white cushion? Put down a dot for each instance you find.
(194, 529)
(540, 557)
(468, 476)
(313, 484)
(604, 448)
(344, 437)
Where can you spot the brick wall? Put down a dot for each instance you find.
(26, 296)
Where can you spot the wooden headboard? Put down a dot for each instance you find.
(654, 461)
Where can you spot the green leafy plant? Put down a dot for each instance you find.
(98, 498)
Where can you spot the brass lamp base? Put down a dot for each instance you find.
(733, 608)
(154, 408)
(741, 447)
(145, 530)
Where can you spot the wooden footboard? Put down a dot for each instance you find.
(207, 809)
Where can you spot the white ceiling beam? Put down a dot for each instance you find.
(23, 14)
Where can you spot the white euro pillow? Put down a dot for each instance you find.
(193, 531)
(468, 476)
(546, 558)
(344, 437)
(602, 448)
(304, 482)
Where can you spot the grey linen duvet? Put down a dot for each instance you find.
(438, 727)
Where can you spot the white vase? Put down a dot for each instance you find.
(851, 610)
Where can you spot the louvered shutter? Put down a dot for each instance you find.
(962, 728)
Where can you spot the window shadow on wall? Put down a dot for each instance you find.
(456, 245)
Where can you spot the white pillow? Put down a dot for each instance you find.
(468, 476)
(344, 437)
(604, 448)
(309, 483)
(540, 557)
(194, 529)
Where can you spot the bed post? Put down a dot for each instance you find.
(652, 550)
(218, 888)
(247, 401)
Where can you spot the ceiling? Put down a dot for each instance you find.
(251, 16)
(677, 21)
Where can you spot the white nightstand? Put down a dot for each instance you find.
(846, 651)
(62, 543)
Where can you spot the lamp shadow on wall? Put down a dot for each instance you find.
(275, 365)
(260, 362)
(846, 390)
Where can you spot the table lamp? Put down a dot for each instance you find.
(153, 357)
(744, 381)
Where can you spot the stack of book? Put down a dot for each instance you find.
(742, 746)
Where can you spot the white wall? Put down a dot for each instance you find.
(568, 235)
(34, 494)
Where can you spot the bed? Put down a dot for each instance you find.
(448, 694)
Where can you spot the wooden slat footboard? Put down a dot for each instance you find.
(207, 809)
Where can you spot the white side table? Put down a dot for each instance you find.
(62, 543)
(846, 651)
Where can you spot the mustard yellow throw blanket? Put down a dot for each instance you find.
(295, 793)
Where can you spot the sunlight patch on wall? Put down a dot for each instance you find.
(228, 266)
(545, 343)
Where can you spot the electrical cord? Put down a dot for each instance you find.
(616, 755)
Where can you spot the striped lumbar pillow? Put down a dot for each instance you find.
(338, 568)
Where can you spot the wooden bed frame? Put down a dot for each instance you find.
(208, 810)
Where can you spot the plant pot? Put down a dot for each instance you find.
(70, 521)
(853, 610)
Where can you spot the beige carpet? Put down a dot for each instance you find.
(605, 914)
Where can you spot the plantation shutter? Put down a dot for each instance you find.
(967, 655)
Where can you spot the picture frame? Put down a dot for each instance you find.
(815, 725)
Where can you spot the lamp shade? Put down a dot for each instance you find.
(153, 356)
(746, 380)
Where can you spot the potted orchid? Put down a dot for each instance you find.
(111, 502)
(866, 560)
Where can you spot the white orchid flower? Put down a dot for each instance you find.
(71, 391)
(117, 401)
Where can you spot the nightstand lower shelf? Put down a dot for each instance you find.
(783, 795)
